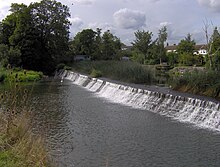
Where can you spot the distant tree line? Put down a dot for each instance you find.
(98, 45)
(36, 37)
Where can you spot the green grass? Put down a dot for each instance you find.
(117, 70)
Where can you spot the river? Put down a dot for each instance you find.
(84, 130)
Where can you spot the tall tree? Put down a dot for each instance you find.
(110, 46)
(40, 32)
(84, 42)
(215, 50)
(51, 23)
(143, 42)
(186, 45)
(185, 50)
(162, 37)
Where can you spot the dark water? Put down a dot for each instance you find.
(83, 130)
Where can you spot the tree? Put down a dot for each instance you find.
(186, 45)
(110, 46)
(162, 37)
(84, 42)
(40, 32)
(215, 50)
(52, 25)
(143, 42)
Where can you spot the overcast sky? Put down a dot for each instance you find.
(124, 17)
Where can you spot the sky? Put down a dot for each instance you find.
(124, 17)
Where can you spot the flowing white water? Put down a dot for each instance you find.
(199, 112)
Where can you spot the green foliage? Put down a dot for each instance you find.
(89, 42)
(118, 70)
(199, 82)
(18, 75)
(186, 45)
(96, 73)
(143, 42)
(37, 35)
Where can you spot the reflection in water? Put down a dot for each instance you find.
(85, 131)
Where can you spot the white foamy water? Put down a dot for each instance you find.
(199, 112)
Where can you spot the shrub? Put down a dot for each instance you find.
(96, 73)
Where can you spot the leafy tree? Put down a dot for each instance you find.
(162, 37)
(97, 54)
(143, 42)
(215, 49)
(4, 54)
(110, 46)
(84, 42)
(39, 32)
(186, 45)
(172, 58)
(51, 23)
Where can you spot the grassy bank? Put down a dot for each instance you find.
(19, 147)
(117, 70)
(19, 75)
(198, 82)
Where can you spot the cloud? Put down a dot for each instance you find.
(212, 4)
(84, 2)
(103, 26)
(129, 19)
(76, 22)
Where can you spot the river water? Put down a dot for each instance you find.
(84, 130)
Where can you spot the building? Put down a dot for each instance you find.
(81, 57)
(199, 49)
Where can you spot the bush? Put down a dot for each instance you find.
(60, 66)
(96, 73)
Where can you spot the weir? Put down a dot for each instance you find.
(202, 113)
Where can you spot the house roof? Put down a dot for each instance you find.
(197, 47)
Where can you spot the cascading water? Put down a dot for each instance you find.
(199, 112)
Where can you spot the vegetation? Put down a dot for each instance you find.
(198, 82)
(118, 70)
(89, 42)
(35, 37)
(19, 75)
(18, 145)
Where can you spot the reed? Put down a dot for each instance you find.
(198, 82)
(18, 145)
(117, 70)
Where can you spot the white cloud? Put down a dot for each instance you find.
(129, 19)
(212, 4)
(83, 2)
(103, 26)
(76, 22)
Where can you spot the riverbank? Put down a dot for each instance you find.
(196, 82)
(18, 145)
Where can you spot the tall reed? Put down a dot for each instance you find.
(19, 147)
(118, 70)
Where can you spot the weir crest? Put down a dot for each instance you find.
(201, 113)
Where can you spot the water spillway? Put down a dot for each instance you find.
(202, 113)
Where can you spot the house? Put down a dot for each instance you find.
(82, 57)
(199, 49)
(171, 48)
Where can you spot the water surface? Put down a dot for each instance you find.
(83, 130)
